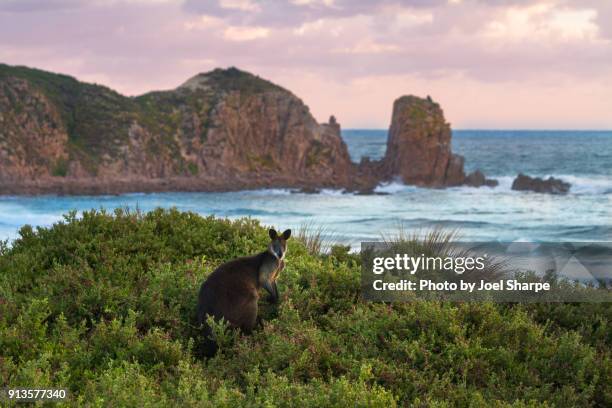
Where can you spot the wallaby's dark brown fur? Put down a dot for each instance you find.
(232, 290)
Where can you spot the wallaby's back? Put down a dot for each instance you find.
(231, 292)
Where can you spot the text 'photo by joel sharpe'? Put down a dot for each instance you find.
(306, 203)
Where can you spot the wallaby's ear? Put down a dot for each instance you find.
(286, 234)
(273, 234)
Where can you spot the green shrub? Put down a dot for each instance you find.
(193, 168)
(103, 304)
(60, 169)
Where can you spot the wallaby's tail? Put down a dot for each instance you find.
(208, 346)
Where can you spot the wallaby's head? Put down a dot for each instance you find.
(278, 245)
(278, 248)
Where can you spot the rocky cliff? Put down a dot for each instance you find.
(221, 130)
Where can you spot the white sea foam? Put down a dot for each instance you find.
(393, 187)
(289, 191)
(587, 184)
(332, 192)
(13, 214)
(21, 218)
(584, 185)
(268, 191)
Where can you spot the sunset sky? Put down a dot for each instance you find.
(490, 63)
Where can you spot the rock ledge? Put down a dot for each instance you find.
(551, 185)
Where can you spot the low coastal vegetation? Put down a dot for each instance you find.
(103, 304)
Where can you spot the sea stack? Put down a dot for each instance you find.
(419, 145)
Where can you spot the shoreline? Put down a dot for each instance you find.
(99, 186)
(93, 186)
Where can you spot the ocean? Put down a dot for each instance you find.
(583, 158)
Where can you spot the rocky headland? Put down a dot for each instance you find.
(222, 130)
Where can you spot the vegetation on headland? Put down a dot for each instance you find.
(103, 305)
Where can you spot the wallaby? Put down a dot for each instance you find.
(232, 290)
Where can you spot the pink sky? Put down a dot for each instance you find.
(491, 64)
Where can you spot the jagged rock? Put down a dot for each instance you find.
(333, 124)
(478, 179)
(454, 175)
(370, 191)
(551, 185)
(306, 190)
(32, 134)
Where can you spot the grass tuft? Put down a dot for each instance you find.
(443, 243)
(316, 238)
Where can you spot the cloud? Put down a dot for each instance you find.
(245, 33)
(242, 5)
(367, 47)
(323, 48)
(25, 6)
(32, 6)
(544, 22)
(279, 13)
